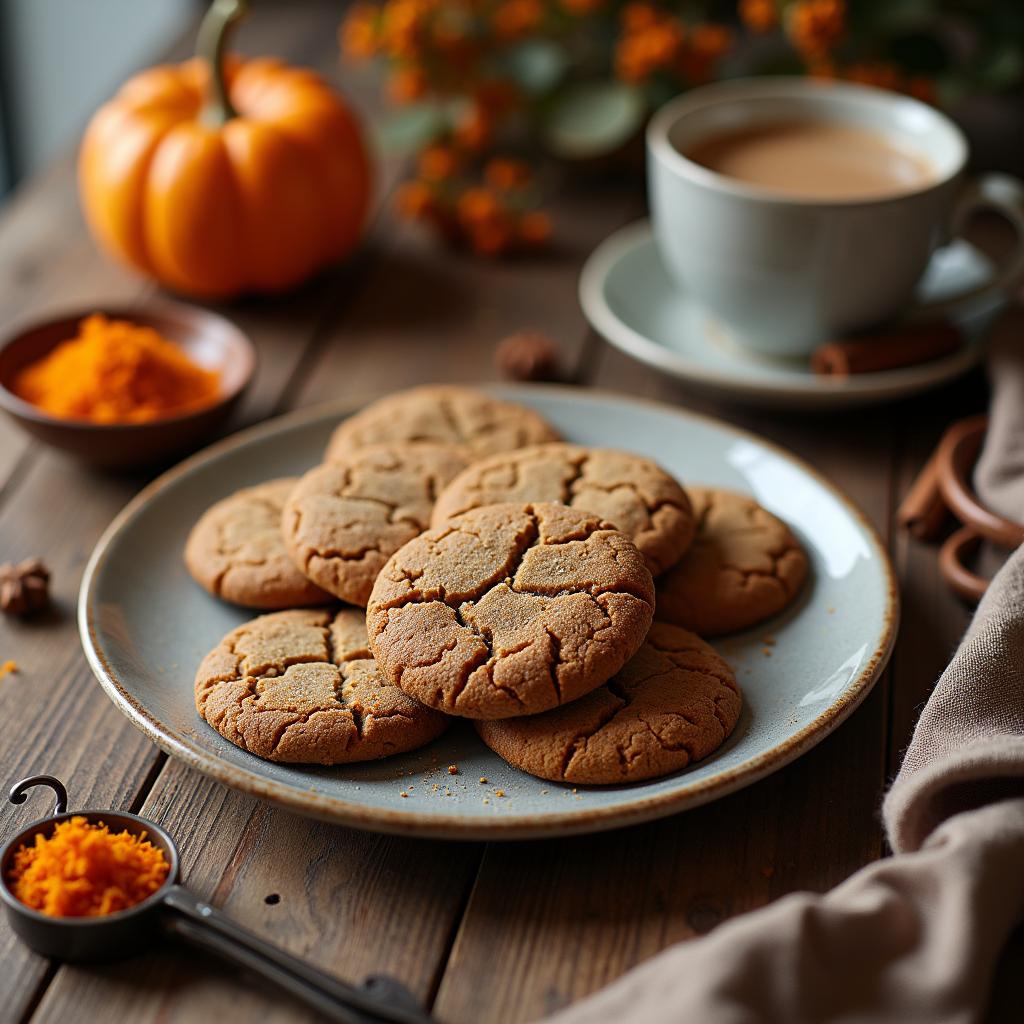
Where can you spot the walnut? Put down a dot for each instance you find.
(24, 588)
(528, 355)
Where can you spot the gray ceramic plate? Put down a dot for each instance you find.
(145, 626)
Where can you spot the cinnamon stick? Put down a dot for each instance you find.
(922, 513)
(888, 350)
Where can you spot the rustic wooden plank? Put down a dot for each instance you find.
(638, 890)
(59, 721)
(412, 893)
(549, 922)
(423, 315)
(54, 694)
(351, 902)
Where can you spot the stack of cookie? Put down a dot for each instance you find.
(507, 578)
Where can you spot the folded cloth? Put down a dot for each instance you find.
(914, 937)
(999, 473)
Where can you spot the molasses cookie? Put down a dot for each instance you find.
(477, 423)
(344, 519)
(510, 610)
(674, 703)
(301, 687)
(743, 567)
(236, 551)
(629, 491)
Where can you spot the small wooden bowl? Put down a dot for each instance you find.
(209, 340)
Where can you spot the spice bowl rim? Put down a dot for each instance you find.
(138, 313)
(170, 850)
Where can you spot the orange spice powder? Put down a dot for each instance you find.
(85, 870)
(114, 371)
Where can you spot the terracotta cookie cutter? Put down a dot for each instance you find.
(944, 487)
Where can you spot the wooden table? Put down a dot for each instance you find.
(480, 932)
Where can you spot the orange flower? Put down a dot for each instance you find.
(815, 26)
(707, 44)
(822, 68)
(474, 131)
(438, 163)
(759, 15)
(479, 206)
(710, 41)
(407, 84)
(402, 26)
(415, 200)
(651, 48)
(880, 74)
(581, 8)
(922, 88)
(507, 175)
(535, 228)
(637, 16)
(358, 33)
(516, 18)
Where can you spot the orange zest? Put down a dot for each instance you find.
(84, 870)
(114, 371)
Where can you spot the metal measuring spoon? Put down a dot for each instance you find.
(176, 911)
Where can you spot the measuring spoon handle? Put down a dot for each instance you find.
(382, 998)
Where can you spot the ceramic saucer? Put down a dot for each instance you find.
(629, 299)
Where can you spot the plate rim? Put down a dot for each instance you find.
(813, 390)
(311, 803)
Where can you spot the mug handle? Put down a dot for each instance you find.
(1003, 194)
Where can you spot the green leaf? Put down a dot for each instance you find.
(1003, 67)
(536, 66)
(591, 119)
(409, 129)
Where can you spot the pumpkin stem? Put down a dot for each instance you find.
(216, 26)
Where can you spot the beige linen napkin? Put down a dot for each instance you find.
(914, 937)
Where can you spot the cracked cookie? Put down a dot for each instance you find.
(674, 703)
(237, 553)
(477, 423)
(510, 610)
(346, 518)
(629, 491)
(744, 566)
(301, 687)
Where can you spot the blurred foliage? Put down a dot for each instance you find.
(576, 79)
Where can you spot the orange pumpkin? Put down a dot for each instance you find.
(222, 177)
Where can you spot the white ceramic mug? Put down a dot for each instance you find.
(785, 273)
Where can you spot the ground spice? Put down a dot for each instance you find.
(85, 870)
(114, 371)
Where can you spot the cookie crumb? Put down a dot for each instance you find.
(434, 788)
(499, 792)
(403, 794)
(453, 769)
(486, 801)
(483, 780)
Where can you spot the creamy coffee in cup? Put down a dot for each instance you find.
(797, 211)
